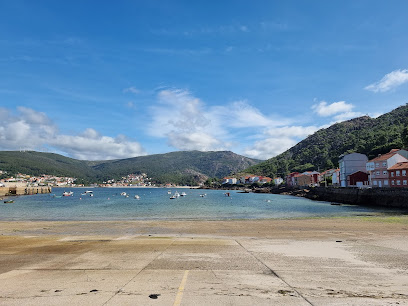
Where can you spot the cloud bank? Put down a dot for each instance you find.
(32, 130)
(187, 123)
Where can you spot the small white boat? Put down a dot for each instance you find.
(173, 197)
(137, 197)
(203, 195)
(183, 194)
(176, 194)
(68, 193)
(123, 194)
(88, 192)
(169, 192)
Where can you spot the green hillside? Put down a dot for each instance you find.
(321, 150)
(37, 163)
(176, 167)
(179, 167)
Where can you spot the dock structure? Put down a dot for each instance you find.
(23, 190)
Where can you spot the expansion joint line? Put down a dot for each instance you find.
(273, 272)
(137, 274)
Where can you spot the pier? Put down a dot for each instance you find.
(23, 190)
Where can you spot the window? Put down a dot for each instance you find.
(397, 173)
(393, 182)
(404, 182)
(375, 183)
(377, 173)
(386, 183)
(398, 182)
(404, 172)
(384, 164)
(385, 172)
(392, 174)
(377, 165)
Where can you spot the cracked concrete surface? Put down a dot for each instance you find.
(268, 262)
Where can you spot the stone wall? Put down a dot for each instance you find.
(394, 197)
(14, 190)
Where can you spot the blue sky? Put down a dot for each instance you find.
(103, 80)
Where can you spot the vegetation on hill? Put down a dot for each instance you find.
(37, 163)
(176, 167)
(321, 151)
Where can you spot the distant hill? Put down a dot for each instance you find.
(321, 150)
(37, 163)
(187, 167)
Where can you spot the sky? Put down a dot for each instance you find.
(100, 80)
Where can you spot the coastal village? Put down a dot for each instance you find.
(131, 180)
(355, 170)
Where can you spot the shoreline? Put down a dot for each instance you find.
(240, 228)
(371, 197)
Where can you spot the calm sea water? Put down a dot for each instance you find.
(155, 204)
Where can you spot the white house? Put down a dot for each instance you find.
(229, 180)
(277, 181)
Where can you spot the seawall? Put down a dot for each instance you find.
(392, 197)
(14, 191)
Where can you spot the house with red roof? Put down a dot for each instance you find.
(398, 175)
(378, 167)
(358, 179)
(290, 178)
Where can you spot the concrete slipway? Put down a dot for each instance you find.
(285, 263)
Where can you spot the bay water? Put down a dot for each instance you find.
(155, 204)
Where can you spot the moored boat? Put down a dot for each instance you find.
(9, 201)
(68, 193)
(88, 192)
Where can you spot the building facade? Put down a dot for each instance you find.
(349, 164)
(378, 167)
(398, 175)
(358, 179)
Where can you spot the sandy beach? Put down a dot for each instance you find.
(322, 261)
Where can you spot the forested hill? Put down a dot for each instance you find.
(179, 167)
(188, 167)
(321, 150)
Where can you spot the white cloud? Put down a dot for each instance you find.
(130, 104)
(189, 124)
(269, 147)
(292, 131)
(32, 130)
(241, 115)
(244, 28)
(31, 116)
(92, 146)
(323, 109)
(347, 116)
(194, 141)
(389, 81)
(132, 89)
(182, 119)
(278, 139)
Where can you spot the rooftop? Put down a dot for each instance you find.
(398, 166)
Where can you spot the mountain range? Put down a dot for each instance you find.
(183, 167)
(321, 151)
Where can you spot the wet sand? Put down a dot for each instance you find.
(324, 261)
